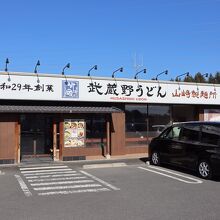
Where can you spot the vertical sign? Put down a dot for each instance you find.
(70, 89)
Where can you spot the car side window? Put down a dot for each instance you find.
(190, 133)
(173, 133)
(210, 134)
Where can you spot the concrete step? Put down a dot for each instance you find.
(105, 165)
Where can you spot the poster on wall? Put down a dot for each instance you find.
(74, 133)
(211, 114)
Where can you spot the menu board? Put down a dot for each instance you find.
(74, 133)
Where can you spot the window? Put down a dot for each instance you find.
(136, 125)
(210, 134)
(190, 133)
(96, 131)
(173, 133)
(143, 122)
(159, 118)
(182, 113)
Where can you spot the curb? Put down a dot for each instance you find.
(113, 162)
(104, 165)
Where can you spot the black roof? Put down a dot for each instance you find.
(56, 109)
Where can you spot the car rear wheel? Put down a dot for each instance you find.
(205, 169)
(155, 158)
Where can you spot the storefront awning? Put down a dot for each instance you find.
(55, 109)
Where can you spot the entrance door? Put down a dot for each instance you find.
(36, 135)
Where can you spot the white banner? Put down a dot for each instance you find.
(59, 88)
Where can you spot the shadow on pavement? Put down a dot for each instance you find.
(144, 159)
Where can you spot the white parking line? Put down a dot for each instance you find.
(37, 174)
(67, 187)
(177, 174)
(56, 179)
(99, 180)
(44, 171)
(23, 186)
(62, 183)
(42, 168)
(73, 173)
(195, 181)
(73, 191)
(53, 180)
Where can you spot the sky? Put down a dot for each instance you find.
(175, 35)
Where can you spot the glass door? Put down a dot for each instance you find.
(36, 135)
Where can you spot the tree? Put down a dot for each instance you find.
(199, 78)
(177, 79)
(211, 78)
(189, 79)
(217, 77)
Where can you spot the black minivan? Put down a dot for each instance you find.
(192, 145)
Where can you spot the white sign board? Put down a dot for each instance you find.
(60, 88)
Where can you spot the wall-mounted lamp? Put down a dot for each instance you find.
(6, 65)
(37, 64)
(164, 72)
(144, 71)
(67, 66)
(94, 67)
(35, 70)
(184, 74)
(120, 69)
(6, 69)
(205, 75)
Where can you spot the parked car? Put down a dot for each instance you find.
(192, 145)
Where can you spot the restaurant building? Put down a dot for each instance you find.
(74, 117)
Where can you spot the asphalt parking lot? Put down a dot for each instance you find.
(136, 191)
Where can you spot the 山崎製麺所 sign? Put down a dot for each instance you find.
(61, 88)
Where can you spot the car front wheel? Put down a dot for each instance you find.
(155, 158)
(205, 169)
